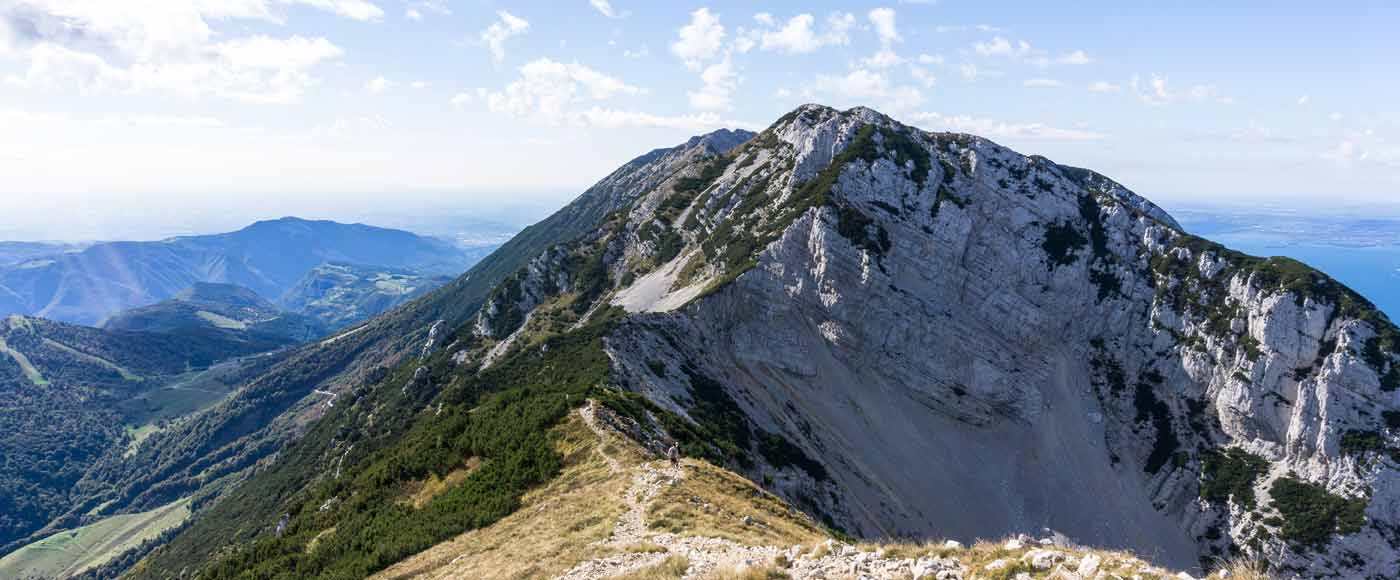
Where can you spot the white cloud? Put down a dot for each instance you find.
(460, 99)
(546, 91)
(992, 128)
(1041, 82)
(883, 19)
(718, 82)
(861, 86)
(700, 40)
(1350, 152)
(495, 36)
(1077, 57)
(605, 8)
(137, 47)
(1022, 51)
(798, 36)
(272, 53)
(418, 85)
(1001, 47)
(1105, 87)
(416, 10)
(620, 119)
(882, 59)
(361, 125)
(1304, 100)
(1156, 92)
(353, 9)
(935, 59)
(968, 71)
(642, 52)
(922, 75)
(378, 85)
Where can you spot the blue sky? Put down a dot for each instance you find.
(200, 114)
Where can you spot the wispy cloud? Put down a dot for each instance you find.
(993, 128)
(606, 9)
(1105, 87)
(799, 34)
(548, 92)
(495, 36)
(1156, 91)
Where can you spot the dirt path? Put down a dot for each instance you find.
(706, 554)
(648, 480)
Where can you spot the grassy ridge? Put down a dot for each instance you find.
(73, 551)
(354, 525)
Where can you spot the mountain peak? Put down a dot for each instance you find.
(231, 295)
(721, 140)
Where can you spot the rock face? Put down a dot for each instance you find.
(930, 335)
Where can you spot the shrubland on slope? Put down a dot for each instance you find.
(903, 334)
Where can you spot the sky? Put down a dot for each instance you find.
(140, 118)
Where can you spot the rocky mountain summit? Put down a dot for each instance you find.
(971, 342)
(903, 334)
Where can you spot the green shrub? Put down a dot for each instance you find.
(1311, 515)
(1061, 242)
(855, 226)
(1153, 409)
(1358, 443)
(1231, 474)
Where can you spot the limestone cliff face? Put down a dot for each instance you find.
(956, 340)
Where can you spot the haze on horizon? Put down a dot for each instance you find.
(135, 119)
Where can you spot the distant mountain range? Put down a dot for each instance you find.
(267, 257)
(16, 252)
(232, 311)
(339, 295)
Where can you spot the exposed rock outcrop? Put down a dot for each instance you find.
(930, 334)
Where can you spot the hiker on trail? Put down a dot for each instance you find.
(674, 454)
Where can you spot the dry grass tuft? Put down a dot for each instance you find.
(749, 573)
(646, 548)
(1242, 569)
(669, 569)
(710, 501)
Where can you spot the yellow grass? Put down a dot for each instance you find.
(419, 493)
(555, 528)
(564, 522)
(712, 502)
(669, 569)
(749, 573)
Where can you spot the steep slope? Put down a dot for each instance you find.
(226, 309)
(75, 397)
(17, 252)
(617, 510)
(901, 333)
(339, 295)
(216, 449)
(267, 257)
